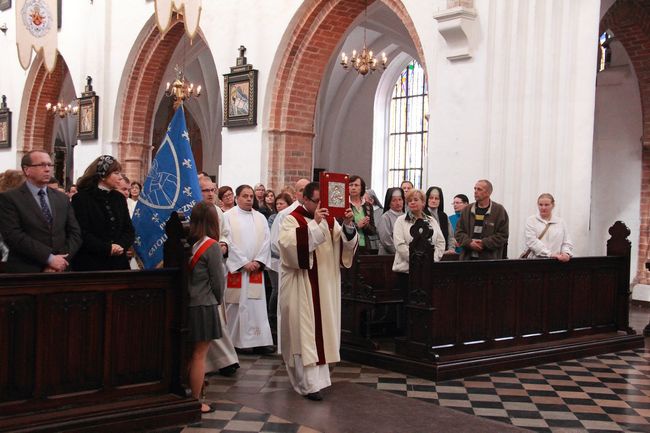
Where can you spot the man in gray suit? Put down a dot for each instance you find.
(36, 222)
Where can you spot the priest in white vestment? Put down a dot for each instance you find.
(249, 253)
(313, 246)
(221, 355)
(275, 254)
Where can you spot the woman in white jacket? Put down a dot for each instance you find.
(402, 234)
(552, 243)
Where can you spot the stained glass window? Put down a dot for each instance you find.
(408, 127)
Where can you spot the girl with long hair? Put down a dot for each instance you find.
(205, 290)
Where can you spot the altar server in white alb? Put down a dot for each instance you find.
(313, 246)
(249, 253)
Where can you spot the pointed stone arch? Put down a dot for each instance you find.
(310, 45)
(629, 20)
(136, 105)
(148, 66)
(36, 125)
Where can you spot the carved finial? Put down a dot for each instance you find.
(89, 84)
(241, 60)
(4, 102)
(421, 230)
(619, 230)
(619, 244)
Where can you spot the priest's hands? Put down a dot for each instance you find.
(251, 267)
(349, 216)
(320, 213)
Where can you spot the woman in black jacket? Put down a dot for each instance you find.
(103, 216)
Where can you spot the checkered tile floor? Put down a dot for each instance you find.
(607, 393)
(233, 418)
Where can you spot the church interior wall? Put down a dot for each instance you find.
(519, 111)
(616, 181)
(238, 23)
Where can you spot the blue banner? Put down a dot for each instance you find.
(171, 185)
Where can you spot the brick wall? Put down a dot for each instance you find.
(629, 20)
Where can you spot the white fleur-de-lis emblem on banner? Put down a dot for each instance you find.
(187, 191)
(186, 135)
(137, 241)
(137, 213)
(187, 163)
(155, 218)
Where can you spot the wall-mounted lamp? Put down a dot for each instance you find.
(4, 28)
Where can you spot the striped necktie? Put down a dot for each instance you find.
(45, 208)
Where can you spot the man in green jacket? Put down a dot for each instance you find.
(482, 229)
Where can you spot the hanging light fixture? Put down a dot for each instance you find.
(364, 61)
(181, 89)
(61, 110)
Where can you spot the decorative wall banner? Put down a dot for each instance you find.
(36, 28)
(5, 124)
(190, 9)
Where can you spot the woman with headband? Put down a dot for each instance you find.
(103, 216)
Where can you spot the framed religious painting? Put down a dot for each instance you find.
(335, 193)
(88, 115)
(240, 98)
(5, 124)
(5, 4)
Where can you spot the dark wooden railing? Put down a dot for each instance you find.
(94, 351)
(459, 318)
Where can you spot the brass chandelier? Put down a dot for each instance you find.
(365, 61)
(181, 89)
(61, 110)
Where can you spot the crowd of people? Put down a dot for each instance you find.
(260, 259)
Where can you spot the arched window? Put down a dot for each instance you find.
(605, 53)
(408, 127)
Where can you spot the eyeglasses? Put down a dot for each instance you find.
(208, 190)
(42, 165)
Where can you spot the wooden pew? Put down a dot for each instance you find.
(371, 302)
(372, 305)
(465, 318)
(94, 351)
